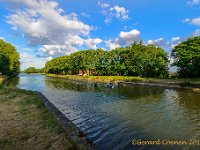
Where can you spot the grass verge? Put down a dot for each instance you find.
(103, 79)
(115, 79)
(25, 123)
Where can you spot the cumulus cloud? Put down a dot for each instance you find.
(196, 32)
(127, 38)
(28, 60)
(124, 39)
(56, 50)
(103, 5)
(120, 12)
(85, 15)
(112, 44)
(175, 41)
(92, 43)
(194, 2)
(42, 22)
(111, 12)
(166, 44)
(194, 21)
(158, 42)
(27, 49)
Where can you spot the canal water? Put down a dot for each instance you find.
(113, 117)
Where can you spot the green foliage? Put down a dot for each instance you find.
(187, 58)
(134, 60)
(4, 64)
(58, 65)
(34, 70)
(9, 59)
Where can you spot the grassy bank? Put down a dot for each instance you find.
(103, 79)
(35, 73)
(193, 83)
(25, 123)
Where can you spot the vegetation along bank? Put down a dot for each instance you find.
(9, 60)
(138, 63)
(27, 124)
(189, 83)
(134, 60)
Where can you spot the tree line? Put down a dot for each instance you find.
(134, 60)
(9, 59)
(33, 70)
(186, 57)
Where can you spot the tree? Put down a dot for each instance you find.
(186, 57)
(59, 65)
(134, 60)
(4, 64)
(34, 70)
(142, 60)
(9, 59)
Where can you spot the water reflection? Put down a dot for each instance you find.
(81, 86)
(112, 117)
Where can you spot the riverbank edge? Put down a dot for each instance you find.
(37, 73)
(70, 128)
(117, 80)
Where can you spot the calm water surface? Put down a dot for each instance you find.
(113, 117)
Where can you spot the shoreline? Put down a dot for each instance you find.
(39, 123)
(72, 130)
(35, 73)
(192, 84)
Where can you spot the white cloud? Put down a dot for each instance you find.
(120, 12)
(159, 42)
(113, 12)
(27, 49)
(175, 41)
(194, 21)
(2, 38)
(167, 45)
(28, 60)
(112, 45)
(103, 5)
(124, 39)
(127, 38)
(42, 22)
(196, 33)
(194, 2)
(56, 50)
(92, 43)
(85, 15)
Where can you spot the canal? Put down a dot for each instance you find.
(112, 117)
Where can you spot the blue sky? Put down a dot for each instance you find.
(44, 29)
